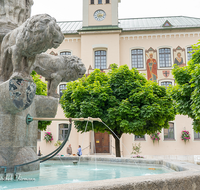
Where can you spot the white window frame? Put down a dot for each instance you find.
(100, 49)
(63, 50)
(145, 139)
(144, 58)
(171, 140)
(158, 58)
(58, 131)
(58, 88)
(186, 55)
(166, 80)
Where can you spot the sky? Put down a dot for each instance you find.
(71, 10)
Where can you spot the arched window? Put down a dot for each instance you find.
(137, 58)
(92, 1)
(63, 129)
(61, 88)
(165, 57)
(99, 1)
(65, 53)
(100, 59)
(107, 1)
(166, 83)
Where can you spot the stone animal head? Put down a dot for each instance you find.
(39, 34)
(75, 68)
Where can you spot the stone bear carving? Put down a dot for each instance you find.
(58, 69)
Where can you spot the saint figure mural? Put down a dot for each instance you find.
(179, 60)
(151, 68)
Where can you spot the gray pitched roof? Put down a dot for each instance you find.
(139, 23)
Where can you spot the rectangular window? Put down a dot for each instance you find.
(137, 58)
(39, 135)
(189, 53)
(92, 1)
(99, 1)
(166, 84)
(100, 60)
(139, 138)
(165, 57)
(107, 1)
(63, 130)
(169, 133)
(196, 136)
(65, 53)
(61, 88)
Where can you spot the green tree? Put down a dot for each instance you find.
(123, 99)
(41, 89)
(186, 93)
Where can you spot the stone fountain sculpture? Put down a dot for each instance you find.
(19, 49)
(13, 13)
(58, 69)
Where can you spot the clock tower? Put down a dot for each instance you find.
(100, 13)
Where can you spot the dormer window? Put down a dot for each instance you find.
(107, 1)
(92, 1)
(99, 1)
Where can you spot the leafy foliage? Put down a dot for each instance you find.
(186, 93)
(122, 98)
(136, 149)
(41, 89)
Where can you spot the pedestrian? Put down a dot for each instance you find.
(69, 150)
(79, 153)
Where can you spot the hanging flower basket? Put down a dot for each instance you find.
(155, 137)
(48, 137)
(185, 136)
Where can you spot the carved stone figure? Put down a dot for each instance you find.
(20, 46)
(16, 11)
(58, 69)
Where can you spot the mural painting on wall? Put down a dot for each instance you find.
(179, 54)
(151, 64)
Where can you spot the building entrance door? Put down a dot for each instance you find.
(102, 142)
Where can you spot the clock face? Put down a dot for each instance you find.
(99, 15)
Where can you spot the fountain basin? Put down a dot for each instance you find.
(187, 176)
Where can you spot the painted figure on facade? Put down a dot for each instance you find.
(151, 68)
(179, 60)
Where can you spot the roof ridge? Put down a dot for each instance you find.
(156, 17)
(70, 21)
(138, 18)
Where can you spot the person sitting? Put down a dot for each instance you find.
(79, 153)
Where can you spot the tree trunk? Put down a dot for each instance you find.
(117, 147)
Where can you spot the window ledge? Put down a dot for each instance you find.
(169, 140)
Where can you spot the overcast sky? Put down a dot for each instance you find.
(71, 10)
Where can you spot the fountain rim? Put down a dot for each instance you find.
(185, 171)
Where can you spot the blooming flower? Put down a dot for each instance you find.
(155, 136)
(185, 135)
(48, 136)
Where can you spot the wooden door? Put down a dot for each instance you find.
(102, 142)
